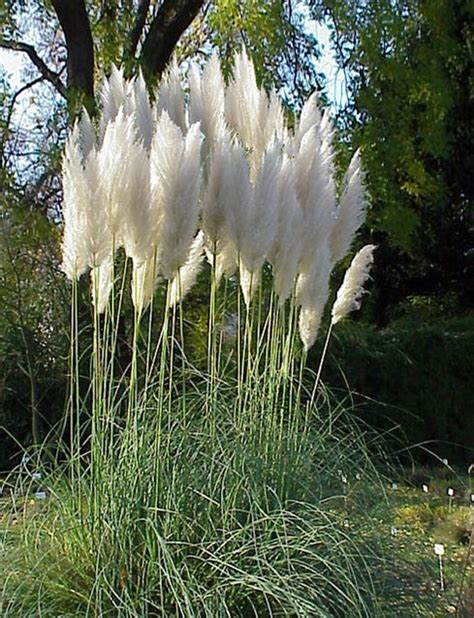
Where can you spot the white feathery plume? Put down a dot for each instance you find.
(312, 291)
(311, 286)
(304, 163)
(206, 100)
(260, 220)
(165, 156)
(309, 321)
(262, 225)
(187, 274)
(114, 169)
(273, 118)
(175, 188)
(251, 218)
(170, 97)
(87, 134)
(75, 256)
(135, 232)
(115, 92)
(226, 205)
(217, 189)
(87, 239)
(310, 116)
(352, 288)
(350, 214)
(249, 282)
(237, 204)
(101, 279)
(286, 251)
(144, 281)
(99, 236)
(242, 99)
(226, 259)
(328, 198)
(326, 132)
(250, 112)
(142, 111)
(315, 189)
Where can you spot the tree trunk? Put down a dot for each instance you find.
(75, 23)
(172, 19)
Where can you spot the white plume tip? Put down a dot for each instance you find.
(352, 288)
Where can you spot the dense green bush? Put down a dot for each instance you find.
(414, 373)
(33, 331)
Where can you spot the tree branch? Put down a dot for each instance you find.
(45, 71)
(138, 26)
(171, 20)
(14, 99)
(76, 26)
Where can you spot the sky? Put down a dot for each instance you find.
(12, 62)
(335, 81)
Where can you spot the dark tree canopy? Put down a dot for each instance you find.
(410, 107)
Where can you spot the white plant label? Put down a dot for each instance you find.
(439, 549)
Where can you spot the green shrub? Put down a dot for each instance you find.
(414, 375)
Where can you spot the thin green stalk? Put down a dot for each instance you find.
(96, 456)
(162, 345)
(107, 360)
(212, 377)
(220, 348)
(171, 370)
(239, 349)
(150, 360)
(74, 394)
(182, 347)
(247, 372)
(115, 319)
(320, 368)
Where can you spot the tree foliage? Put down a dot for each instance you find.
(283, 50)
(408, 70)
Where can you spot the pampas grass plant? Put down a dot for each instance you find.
(186, 492)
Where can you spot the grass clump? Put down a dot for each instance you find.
(224, 524)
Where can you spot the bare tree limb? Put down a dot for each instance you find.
(24, 88)
(14, 99)
(138, 26)
(45, 71)
(171, 20)
(76, 26)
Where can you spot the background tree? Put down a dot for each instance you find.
(409, 76)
